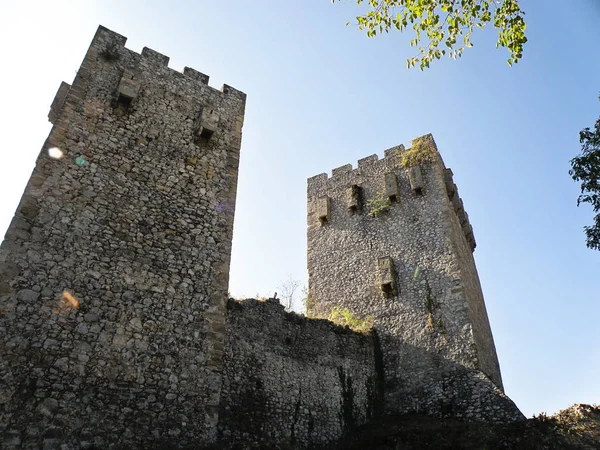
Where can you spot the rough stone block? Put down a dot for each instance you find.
(129, 86)
(353, 199)
(416, 179)
(448, 181)
(155, 56)
(387, 276)
(365, 163)
(209, 122)
(394, 152)
(196, 75)
(339, 171)
(391, 187)
(457, 204)
(323, 209)
(58, 102)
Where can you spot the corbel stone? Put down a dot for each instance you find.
(387, 276)
(448, 181)
(129, 86)
(391, 186)
(209, 122)
(323, 209)
(59, 101)
(416, 179)
(353, 196)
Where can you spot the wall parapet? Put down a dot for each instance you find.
(372, 166)
(114, 45)
(293, 380)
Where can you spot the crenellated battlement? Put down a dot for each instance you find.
(118, 82)
(370, 177)
(391, 158)
(111, 45)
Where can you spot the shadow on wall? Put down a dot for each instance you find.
(444, 388)
(304, 383)
(291, 380)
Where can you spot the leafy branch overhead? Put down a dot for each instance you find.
(444, 27)
(586, 169)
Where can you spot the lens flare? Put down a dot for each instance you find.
(55, 153)
(67, 296)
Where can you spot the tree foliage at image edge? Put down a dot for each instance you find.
(586, 169)
(445, 26)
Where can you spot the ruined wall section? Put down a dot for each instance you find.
(114, 271)
(289, 380)
(404, 267)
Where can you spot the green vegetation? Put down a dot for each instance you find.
(378, 205)
(444, 27)
(344, 317)
(429, 302)
(431, 306)
(310, 303)
(110, 52)
(586, 169)
(420, 152)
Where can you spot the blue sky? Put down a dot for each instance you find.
(321, 95)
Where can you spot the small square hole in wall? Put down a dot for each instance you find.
(323, 209)
(123, 105)
(387, 289)
(418, 191)
(124, 101)
(393, 198)
(206, 134)
(354, 199)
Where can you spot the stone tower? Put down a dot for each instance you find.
(114, 271)
(391, 240)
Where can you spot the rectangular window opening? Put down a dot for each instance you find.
(354, 199)
(387, 289)
(206, 134)
(124, 101)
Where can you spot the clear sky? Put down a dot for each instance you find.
(321, 95)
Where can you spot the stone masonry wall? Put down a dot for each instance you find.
(482, 333)
(289, 380)
(432, 323)
(114, 271)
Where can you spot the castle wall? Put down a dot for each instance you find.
(433, 322)
(289, 380)
(114, 271)
(458, 226)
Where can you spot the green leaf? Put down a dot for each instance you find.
(459, 18)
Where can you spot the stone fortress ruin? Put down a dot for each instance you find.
(115, 327)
